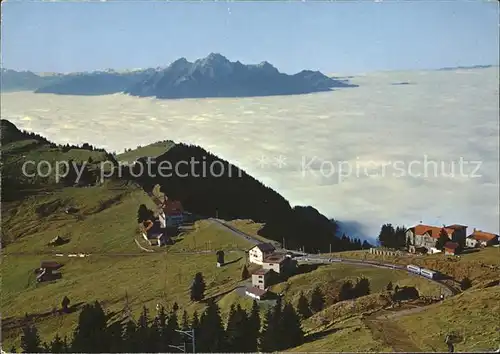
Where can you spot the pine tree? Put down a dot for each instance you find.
(346, 291)
(143, 331)
(245, 274)
(465, 284)
(362, 287)
(253, 329)
(114, 335)
(185, 321)
(389, 286)
(57, 345)
(175, 307)
(317, 300)
(290, 322)
(441, 241)
(90, 333)
(303, 307)
(211, 336)
(30, 340)
(13, 350)
(130, 337)
(236, 330)
(267, 341)
(172, 336)
(198, 288)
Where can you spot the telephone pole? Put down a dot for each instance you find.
(190, 334)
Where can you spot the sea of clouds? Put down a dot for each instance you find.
(298, 144)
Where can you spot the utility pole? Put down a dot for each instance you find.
(330, 248)
(182, 348)
(284, 243)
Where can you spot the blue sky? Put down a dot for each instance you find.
(332, 37)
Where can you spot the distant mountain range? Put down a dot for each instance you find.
(213, 76)
(466, 67)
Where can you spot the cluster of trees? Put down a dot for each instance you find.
(391, 237)
(207, 185)
(84, 146)
(165, 332)
(144, 213)
(307, 308)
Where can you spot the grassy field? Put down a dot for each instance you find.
(251, 228)
(474, 315)
(206, 235)
(151, 150)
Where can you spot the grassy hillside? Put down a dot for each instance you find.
(472, 315)
(151, 150)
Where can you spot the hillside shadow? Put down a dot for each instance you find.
(315, 336)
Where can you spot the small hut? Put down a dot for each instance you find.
(220, 258)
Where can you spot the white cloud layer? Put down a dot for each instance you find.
(443, 116)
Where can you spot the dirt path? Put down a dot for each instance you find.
(384, 328)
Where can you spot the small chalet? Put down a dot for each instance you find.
(256, 293)
(481, 239)
(47, 271)
(259, 252)
(450, 248)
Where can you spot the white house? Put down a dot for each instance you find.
(481, 239)
(255, 293)
(259, 252)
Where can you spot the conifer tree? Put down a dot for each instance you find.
(115, 337)
(303, 307)
(253, 329)
(292, 327)
(317, 300)
(211, 334)
(197, 287)
(389, 286)
(90, 333)
(130, 340)
(245, 274)
(267, 341)
(362, 287)
(346, 291)
(441, 241)
(57, 345)
(143, 330)
(30, 340)
(172, 336)
(465, 284)
(236, 330)
(185, 321)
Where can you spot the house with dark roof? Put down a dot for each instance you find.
(256, 293)
(257, 254)
(481, 239)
